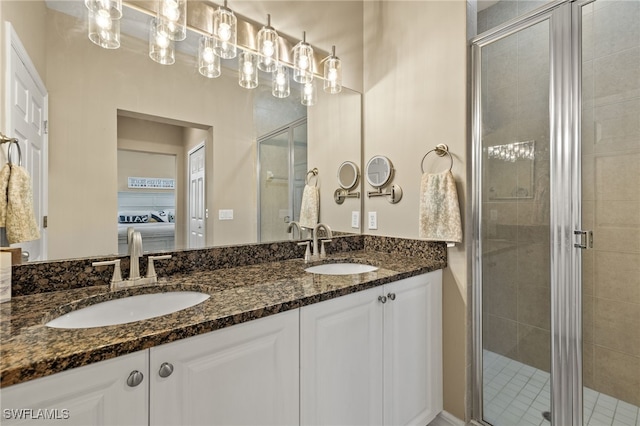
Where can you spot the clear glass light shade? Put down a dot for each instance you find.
(267, 42)
(248, 70)
(104, 30)
(208, 61)
(333, 74)
(225, 33)
(112, 7)
(303, 62)
(161, 47)
(173, 15)
(309, 94)
(280, 86)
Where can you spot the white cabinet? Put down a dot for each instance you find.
(247, 374)
(96, 394)
(374, 357)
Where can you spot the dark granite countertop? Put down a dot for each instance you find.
(29, 349)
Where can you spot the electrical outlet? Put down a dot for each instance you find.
(355, 219)
(373, 220)
(225, 214)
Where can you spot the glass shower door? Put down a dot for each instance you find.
(610, 157)
(514, 232)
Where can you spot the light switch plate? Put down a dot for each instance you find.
(373, 220)
(225, 214)
(355, 219)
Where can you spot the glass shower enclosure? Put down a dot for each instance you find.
(556, 214)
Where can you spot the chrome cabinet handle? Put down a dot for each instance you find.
(165, 369)
(382, 299)
(135, 378)
(391, 296)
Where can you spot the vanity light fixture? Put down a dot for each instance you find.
(309, 94)
(332, 73)
(248, 69)
(267, 42)
(173, 15)
(208, 62)
(103, 29)
(302, 61)
(280, 87)
(111, 7)
(225, 32)
(161, 47)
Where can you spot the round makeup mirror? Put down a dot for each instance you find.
(379, 171)
(348, 175)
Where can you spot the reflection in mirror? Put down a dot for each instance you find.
(348, 175)
(511, 172)
(379, 171)
(95, 95)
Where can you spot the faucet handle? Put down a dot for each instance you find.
(151, 270)
(117, 274)
(307, 252)
(323, 253)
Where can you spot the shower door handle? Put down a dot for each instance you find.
(586, 239)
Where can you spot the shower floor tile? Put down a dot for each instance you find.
(516, 394)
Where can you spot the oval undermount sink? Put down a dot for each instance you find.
(341, 269)
(129, 309)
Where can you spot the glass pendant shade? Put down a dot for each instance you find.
(173, 15)
(309, 94)
(248, 70)
(161, 47)
(280, 87)
(333, 73)
(104, 30)
(112, 7)
(267, 47)
(208, 61)
(303, 61)
(225, 32)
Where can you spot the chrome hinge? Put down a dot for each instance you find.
(45, 126)
(586, 239)
(45, 220)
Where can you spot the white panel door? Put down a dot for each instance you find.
(95, 394)
(413, 350)
(197, 198)
(27, 115)
(247, 374)
(341, 360)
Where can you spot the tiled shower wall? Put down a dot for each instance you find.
(516, 268)
(611, 197)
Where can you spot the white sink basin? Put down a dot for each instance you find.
(341, 269)
(129, 309)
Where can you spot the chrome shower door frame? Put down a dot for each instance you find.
(565, 259)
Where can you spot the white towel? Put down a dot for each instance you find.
(16, 205)
(310, 206)
(439, 208)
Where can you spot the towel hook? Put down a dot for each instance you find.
(441, 150)
(314, 173)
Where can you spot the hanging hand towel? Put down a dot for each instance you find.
(20, 219)
(310, 206)
(4, 186)
(439, 209)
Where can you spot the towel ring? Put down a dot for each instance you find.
(441, 150)
(15, 142)
(314, 173)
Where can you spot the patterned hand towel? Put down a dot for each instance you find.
(20, 219)
(5, 172)
(439, 209)
(310, 206)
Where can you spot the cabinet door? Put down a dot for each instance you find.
(341, 361)
(247, 374)
(95, 394)
(413, 350)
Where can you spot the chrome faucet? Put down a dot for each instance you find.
(135, 253)
(290, 229)
(322, 254)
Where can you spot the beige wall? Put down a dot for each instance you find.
(415, 97)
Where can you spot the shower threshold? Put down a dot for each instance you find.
(516, 394)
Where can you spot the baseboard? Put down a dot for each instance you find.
(446, 419)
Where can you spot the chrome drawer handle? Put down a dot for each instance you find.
(135, 378)
(165, 369)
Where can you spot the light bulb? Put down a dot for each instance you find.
(170, 10)
(247, 68)
(224, 32)
(207, 55)
(162, 40)
(308, 89)
(280, 79)
(103, 19)
(303, 62)
(267, 49)
(333, 74)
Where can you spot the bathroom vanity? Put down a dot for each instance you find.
(272, 345)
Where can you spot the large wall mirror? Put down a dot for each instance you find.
(131, 141)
